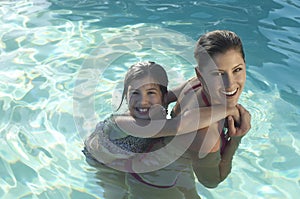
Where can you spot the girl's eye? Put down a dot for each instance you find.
(151, 93)
(134, 93)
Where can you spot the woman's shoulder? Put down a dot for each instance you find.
(190, 97)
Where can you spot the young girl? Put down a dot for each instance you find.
(117, 140)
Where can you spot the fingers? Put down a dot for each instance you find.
(231, 127)
(245, 123)
(157, 111)
(242, 110)
(245, 119)
(236, 116)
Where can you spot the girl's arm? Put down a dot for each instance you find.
(175, 92)
(189, 121)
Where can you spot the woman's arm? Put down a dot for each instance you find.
(214, 168)
(189, 121)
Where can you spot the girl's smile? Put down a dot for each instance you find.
(142, 94)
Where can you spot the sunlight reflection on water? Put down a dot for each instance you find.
(44, 44)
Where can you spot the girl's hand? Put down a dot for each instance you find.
(245, 123)
(157, 112)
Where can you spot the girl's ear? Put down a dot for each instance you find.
(165, 103)
(165, 100)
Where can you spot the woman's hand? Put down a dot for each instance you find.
(235, 114)
(244, 125)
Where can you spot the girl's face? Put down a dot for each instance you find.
(141, 95)
(225, 81)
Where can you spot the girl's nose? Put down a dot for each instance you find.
(144, 99)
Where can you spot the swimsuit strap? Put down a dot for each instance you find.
(204, 98)
(222, 130)
(193, 88)
(223, 136)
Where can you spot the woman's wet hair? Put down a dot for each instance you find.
(214, 43)
(145, 69)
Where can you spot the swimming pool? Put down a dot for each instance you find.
(46, 48)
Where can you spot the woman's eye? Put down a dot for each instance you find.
(217, 73)
(238, 69)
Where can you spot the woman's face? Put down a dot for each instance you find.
(141, 95)
(225, 81)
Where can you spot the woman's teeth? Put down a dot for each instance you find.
(230, 93)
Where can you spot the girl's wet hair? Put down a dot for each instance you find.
(216, 42)
(145, 69)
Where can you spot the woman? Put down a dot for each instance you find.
(220, 79)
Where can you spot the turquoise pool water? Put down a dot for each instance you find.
(47, 51)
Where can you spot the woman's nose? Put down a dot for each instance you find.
(228, 81)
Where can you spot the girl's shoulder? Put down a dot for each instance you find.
(110, 120)
(99, 142)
